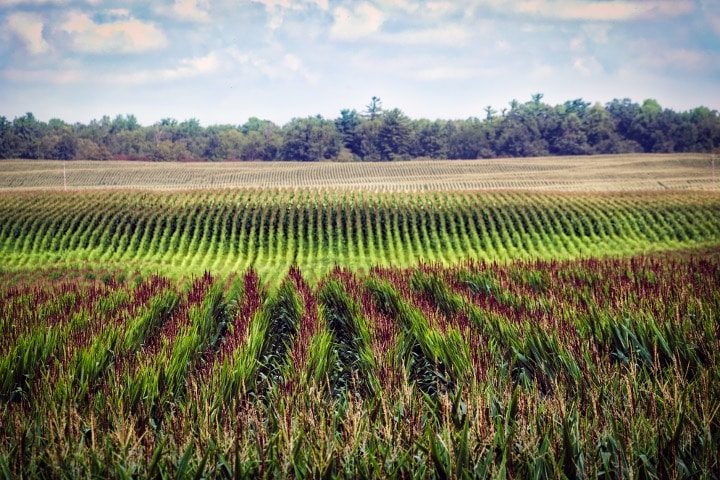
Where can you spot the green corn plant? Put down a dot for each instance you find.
(149, 320)
(573, 461)
(90, 363)
(18, 365)
(445, 300)
(646, 342)
(540, 358)
(352, 354)
(435, 362)
(261, 362)
(163, 379)
(280, 318)
(321, 359)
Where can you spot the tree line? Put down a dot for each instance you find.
(532, 128)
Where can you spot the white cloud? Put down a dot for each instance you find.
(609, 10)
(272, 4)
(577, 43)
(407, 6)
(710, 9)
(28, 27)
(322, 4)
(296, 66)
(292, 62)
(589, 34)
(259, 63)
(681, 58)
(17, 3)
(273, 66)
(362, 20)
(439, 9)
(55, 76)
(276, 9)
(128, 35)
(427, 67)
(503, 45)
(598, 33)
(452, 35)
(648, 55)
(187, 10)
(447, 72)
(118, 13)
(542, 72)
(715, 23)
(186, 68)
(587, 66)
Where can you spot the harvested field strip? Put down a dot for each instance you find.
(582, 173)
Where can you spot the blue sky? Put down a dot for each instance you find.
(222, 61)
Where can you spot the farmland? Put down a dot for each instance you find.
(522, 369)
(560, 322)
(628, 172)
(224, 232)
(375, 239)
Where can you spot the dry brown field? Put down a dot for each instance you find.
(582, 173)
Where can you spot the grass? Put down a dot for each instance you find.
(562, 369)
(187, 233)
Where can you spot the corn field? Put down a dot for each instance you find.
(328, 332)
(626, 172)
(516, 369)
(224, 232)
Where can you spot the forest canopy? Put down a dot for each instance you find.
(533, 128)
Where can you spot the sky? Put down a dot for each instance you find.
(223, 61)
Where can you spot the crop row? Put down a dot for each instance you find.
(615, 173)
(231, 231)
(596, 367)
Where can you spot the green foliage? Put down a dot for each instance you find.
(18, 365)
(164, 378)
(262, 362)
(310, 139)
(350, 362)
(594, 368)
(279, 320)
(528, 129)
(434, 361)
(142, 326)
(183, 233)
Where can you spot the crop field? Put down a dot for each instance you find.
(527, 369)
(539, 319)
(187, 233)
(582, 174)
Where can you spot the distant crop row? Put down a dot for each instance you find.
(270, 230)
(593, 368)
(631, 172)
